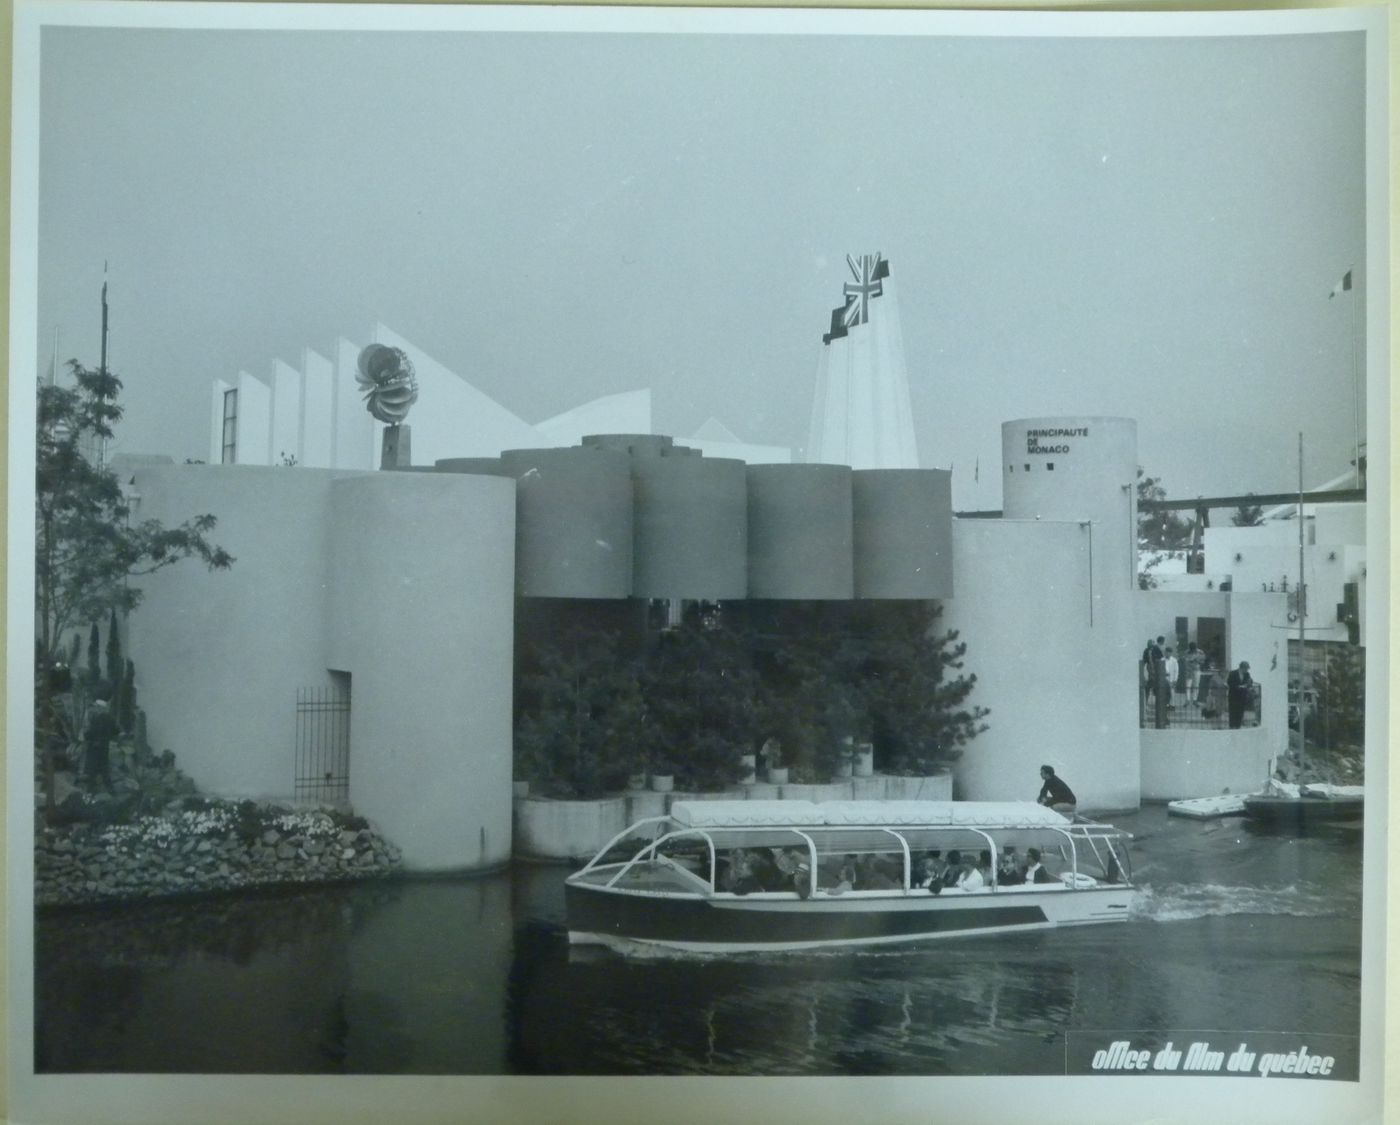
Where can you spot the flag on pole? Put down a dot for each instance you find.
(1343, 286)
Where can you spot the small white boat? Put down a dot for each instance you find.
(840, 873)
(1204, 808)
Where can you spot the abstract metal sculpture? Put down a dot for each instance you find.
(386, 376)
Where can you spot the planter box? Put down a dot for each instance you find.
(934, 787)
(763, 791)
(662, 782)
(643, 804)
(573, 830)
(868, 788)
(865, 760)
(735, 794)
(778, 775)
(831, 791)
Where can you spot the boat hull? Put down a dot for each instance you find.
(1291, 811)
(777, 922)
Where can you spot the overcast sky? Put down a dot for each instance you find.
(1141, 227)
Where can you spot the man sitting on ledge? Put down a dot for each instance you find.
(1055, 794)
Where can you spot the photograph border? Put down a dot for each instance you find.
(259, 1098)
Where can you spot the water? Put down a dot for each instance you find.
(1238, 934)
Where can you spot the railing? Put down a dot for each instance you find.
(1205, 707)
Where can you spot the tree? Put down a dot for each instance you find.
(1163, 531)
(1248, 515)
(883, 673)
(115, 667)
(580, 732)
(1340, 718)
(915, 693)
(126, 700)
(86, 545)
(700, 689)
(94, 666)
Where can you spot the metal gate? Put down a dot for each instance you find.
(322, 770)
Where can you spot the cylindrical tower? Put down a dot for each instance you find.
(690, 527)
(800, 532)
(573, 522)
(903, 530)
(1046, 604)
(1076, 469)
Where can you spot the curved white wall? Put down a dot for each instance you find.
(420, 612)
(404, 580)
(1055, 662)
(219, 655)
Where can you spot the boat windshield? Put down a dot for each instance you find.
(835, 858)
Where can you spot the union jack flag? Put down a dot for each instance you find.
(868, 273)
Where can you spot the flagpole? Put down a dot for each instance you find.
(1356, 390)
(1302, 610)
(102, 442)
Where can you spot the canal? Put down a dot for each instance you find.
(1236, 931)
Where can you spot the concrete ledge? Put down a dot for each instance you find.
(832, 791)
(1179, 763)
(937, 787)
(547, 829)
(575, 830)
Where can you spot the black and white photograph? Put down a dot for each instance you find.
(697, 544)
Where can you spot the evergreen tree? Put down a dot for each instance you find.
(94, 668)
(700, 690)
(1341, 699)
(581, 727)
(115, 667)
(126, 700)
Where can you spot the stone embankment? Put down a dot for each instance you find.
(211, 849)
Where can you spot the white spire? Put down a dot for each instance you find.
(861, 414)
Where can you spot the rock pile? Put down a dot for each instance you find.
(86, 863)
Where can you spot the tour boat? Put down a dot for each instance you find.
(745, 876)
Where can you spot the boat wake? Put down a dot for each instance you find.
(1179, 903)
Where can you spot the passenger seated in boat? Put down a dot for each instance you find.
(971, 878)
(953, 872)
(741, 878)
(1009, 871)
(929, 872)
(872, 876)
(1035, 871)
(836, 875)
(793, 871)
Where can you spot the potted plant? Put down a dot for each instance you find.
(748, 766)
(775, 771)
(663, 776)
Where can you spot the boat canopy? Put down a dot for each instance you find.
(786, 814)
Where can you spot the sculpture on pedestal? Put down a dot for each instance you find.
(390, 386)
